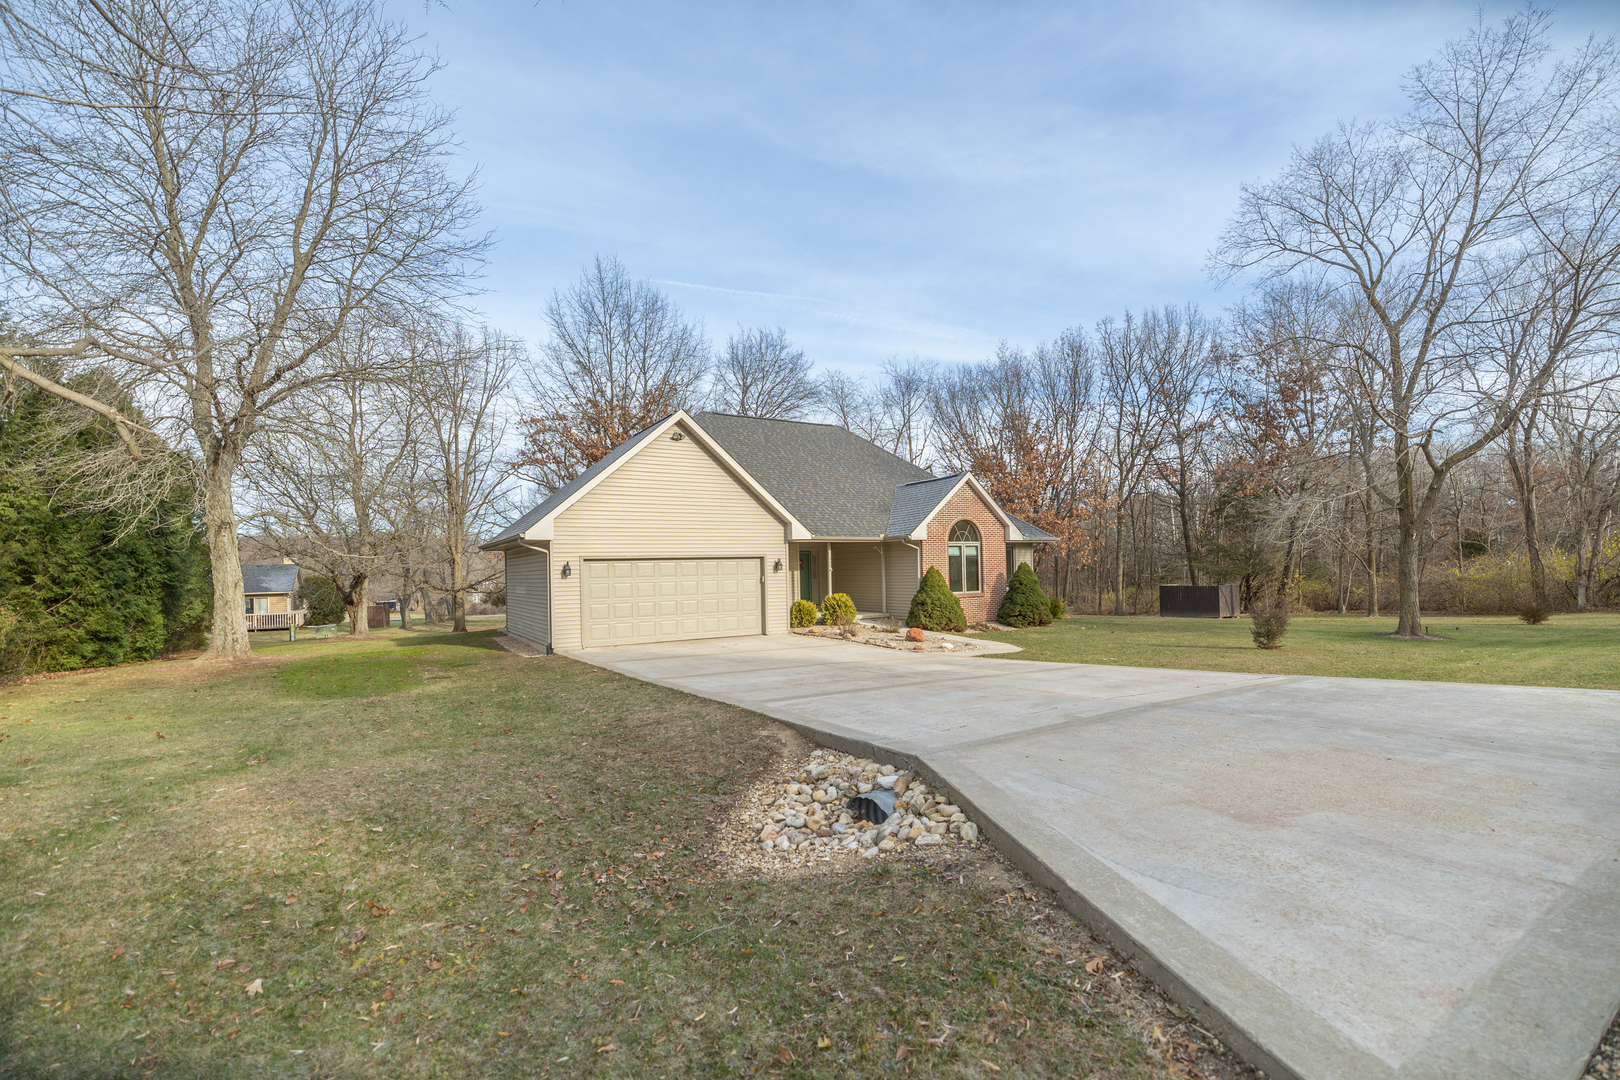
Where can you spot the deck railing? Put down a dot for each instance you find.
(276, 620)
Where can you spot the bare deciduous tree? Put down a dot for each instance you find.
(464, 377)
(620, 356)
(209, 189)
(761, 374)
(326, 468)
(1423, 222)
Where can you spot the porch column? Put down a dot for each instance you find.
(830, 589)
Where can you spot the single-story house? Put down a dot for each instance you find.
(711, 526)
(268, 590)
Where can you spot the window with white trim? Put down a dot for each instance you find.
(963, 554)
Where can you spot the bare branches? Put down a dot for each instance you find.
(760, 374)
(620, 357)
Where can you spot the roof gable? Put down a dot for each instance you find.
(535, 525)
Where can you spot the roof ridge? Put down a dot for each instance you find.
(782, 420)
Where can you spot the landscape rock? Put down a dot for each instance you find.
(914, 634)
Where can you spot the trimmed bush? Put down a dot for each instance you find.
(1270, 625)
(838, 609)
(1059, 610)
(935, 607)
(1534, 614)
(802, 613)
(1025, 604)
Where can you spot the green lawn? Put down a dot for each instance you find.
(1571, 650)
(422, 856)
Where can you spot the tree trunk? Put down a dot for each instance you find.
(405, 599)
(356, 603)
(1407, 578)
(1119, 559)
(1407, 581)
(458, 590)
(1522, 464)
(229, 640)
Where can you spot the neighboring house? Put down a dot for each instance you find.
(712, 526)
(268, 590)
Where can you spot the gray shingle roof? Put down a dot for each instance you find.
(561, 495)
(835, 482)
(269, 578)
(915, 501)
(1031, 532)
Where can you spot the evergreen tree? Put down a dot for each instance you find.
(1025, 604)
(935, 607)
(88, 589)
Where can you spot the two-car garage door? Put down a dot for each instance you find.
(628, 601)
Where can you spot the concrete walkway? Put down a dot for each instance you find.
(1349, 877)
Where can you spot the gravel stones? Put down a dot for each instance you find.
(800, 817)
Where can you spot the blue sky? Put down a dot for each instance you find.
(901, 178)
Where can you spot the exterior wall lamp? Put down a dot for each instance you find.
(677, 437)
(778, 566)
(567, 569)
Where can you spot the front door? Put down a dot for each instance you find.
(807, 576)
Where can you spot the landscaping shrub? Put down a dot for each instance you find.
(802, 613)
(838, 609)
(935, 607)
(1025, 604)
(321, 598)
(1534, 614)
(1059, 611)
(1270, 624)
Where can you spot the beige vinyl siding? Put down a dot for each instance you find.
(1020, 554)
(668, 500)
(903, 576)
(528, 614)
(280, 605)
(858, 571)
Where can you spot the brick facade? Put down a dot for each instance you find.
(981, 606)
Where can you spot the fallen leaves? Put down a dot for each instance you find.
(292, 898)
(1095, 965)
(379, 909)
(116, 953)
(225, 964)
(255, 988)
(434, 965)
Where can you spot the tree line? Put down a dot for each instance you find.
(1410, 397)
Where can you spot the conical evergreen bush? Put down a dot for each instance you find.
(935, 607)
(1025, 604)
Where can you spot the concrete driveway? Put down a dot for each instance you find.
(1350, 877)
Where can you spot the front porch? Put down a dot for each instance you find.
(880, 576)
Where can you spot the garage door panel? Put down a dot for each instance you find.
(629, 601)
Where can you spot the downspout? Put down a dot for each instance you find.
(883, 573)
(549, 590)
(918, 550)
(830, 589)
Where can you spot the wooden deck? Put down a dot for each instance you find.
(278, 620)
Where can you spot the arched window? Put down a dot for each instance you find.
(963, 552)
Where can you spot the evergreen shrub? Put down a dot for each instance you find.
(802, 613)
(935, 607)
(320, 597)
(838, 609)
(1025, 604)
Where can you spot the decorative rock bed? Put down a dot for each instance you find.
(890, 637)
(807, 814)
